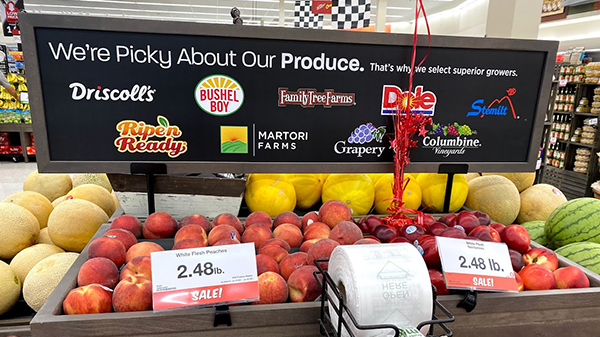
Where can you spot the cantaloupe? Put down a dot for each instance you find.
(34, 202)
(19, 229)
(538, 202)
(433, 189)
(100, 179)
(58, 200)
(44, 277)
(45, 237)
(472, 175)
(96, 194)
(115, 199)
(73, 223)
(495, 195)
(28, 257)
(522, 180)
(10, 288)
(49, 185)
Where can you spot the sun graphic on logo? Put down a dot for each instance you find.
(407, 101)
(234, 139)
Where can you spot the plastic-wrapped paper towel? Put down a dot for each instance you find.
(386, 283)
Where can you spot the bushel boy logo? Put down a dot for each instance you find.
(308, 98)
(418, 102)
(494, 108)
(363, 134)
(137, 93)
(219, 95)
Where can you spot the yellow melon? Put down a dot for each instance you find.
(19, 229)
(100, 179)
(308, 189)
(495, 195)
(376, 176)
(45, 237)
(522, 180)
(10, 288)
(28, 257)
(356, 190)
(538, 201)
(433, 189)
(44, 277)
(270, 193)
(49, 185)
(384, 193)
(34, 202)
(73, 223)
(96, 194)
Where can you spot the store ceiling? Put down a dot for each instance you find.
(254, 12)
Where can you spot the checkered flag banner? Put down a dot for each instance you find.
(303, 16)
(346, 14)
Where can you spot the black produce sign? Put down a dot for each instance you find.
(209, 98)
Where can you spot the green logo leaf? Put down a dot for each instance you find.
(163, 121)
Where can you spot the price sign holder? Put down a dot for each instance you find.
(209, 276)
(562, 83)
(476, 265)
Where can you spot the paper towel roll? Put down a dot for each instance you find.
(387, 283)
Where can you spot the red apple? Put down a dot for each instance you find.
(537, 277)
(520, 286)
(571, 277)
(384, 233)
(453, 232)
(498, 227)
(436, 228)
(430, 251)
(447, 218)
(411, 232)
(400, 239)
(483, 218)
(428, 219)
(485, 233)
(467, 221)
(542, 256)
(367, 223)
(516, 259)
(437, 279)
(516, 237)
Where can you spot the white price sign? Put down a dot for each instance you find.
(204, 276)
(552, 140)
(476, 265)
(563, 83)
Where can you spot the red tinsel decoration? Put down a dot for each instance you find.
(406, 125)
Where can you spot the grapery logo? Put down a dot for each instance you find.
(234, 139)
(363, 134)
(219, 95)
(494, 108)
(418, 102)
(137, 93)
(137, 136)
(451, 139)
(308, 98)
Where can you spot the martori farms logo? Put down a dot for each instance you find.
(495, 108)
(137, 136)
(219, 95)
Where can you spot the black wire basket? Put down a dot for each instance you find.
(328, 329)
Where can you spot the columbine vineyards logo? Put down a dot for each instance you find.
(451, 139)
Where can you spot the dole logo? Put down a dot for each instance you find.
(219, 95)
(418, 102)
(494, 108)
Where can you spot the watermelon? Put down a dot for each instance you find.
(586, 254)
(536, 231)
(574, 221)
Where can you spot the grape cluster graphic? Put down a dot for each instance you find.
(452, 129)
(365, 133)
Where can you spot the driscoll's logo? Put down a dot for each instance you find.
(137, 136)
(495, 108)
(137, 93)
(219, 95)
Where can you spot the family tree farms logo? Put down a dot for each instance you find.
(308, 98)
(137, 136)
(418, 102)
(451, 139)
(494, 108)
(219, 95)
(234, 139)
(361, 136)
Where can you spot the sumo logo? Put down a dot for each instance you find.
(495, 108)
(418, 102)
(360, 136)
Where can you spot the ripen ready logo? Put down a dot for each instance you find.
(137, 93)
(219, 95)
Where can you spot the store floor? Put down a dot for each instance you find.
(12, 176)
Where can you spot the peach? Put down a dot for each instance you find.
(333, 212)
(195, 219)
(274, 251)
(109, 248)
(89, 299)
(537, 277)
(228, 219)
(159, 225)
(570, 277)
(346, 233)
(140, 266)
(98, 270)
(222, 232)
(289, 233)
(128, 223)
(126, 237)
(287, 217)
(258, 217)
(188, 243)
(317, 230)
(142, 249)
(225, 242)
(266, 263)
(366, 241)
(258, 234)
(191, 231)
(290, 263)
(321, 249)
(303, 286)
(277, 242)
(272, 288)
(308, 219)
(133, 293)
(307, 244)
